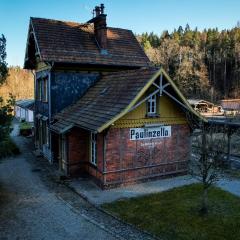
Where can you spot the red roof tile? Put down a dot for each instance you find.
(106, 99)
(71, 42)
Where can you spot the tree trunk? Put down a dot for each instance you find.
(225, 78)
(229, 147)
(204, 208)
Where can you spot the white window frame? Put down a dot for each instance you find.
(93, 148)
(45, 89)
(63, 152)
(47, 135)
(152, 105)
(39, 89)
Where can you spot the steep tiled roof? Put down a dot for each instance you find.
(111, 98)
(106, 99)
(71, 42)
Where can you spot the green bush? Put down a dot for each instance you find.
(8, 148)
(25, 129)
(25, 125)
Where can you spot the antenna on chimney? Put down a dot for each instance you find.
(102, 8)
(100, 28)
(97, 11)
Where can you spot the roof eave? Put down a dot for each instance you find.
(26, 60)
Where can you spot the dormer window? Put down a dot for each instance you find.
(152, 105)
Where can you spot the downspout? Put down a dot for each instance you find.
(104, 157)
(49, 92)
(50, 110)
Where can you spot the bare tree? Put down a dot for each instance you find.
(207, 162)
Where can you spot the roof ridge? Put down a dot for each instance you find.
(58, 20)
(120, 28)
(74, 22)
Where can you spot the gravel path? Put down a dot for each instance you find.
(231, 185)
(34, 204)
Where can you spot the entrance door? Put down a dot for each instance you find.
(55, 147)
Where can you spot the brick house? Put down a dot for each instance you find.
(100, 108)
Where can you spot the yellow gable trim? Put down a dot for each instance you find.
(140, 94)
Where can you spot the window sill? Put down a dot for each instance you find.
(153, 115)
(93, 165)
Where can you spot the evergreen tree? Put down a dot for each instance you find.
(213, 56)
(3, 64)
(5, 108)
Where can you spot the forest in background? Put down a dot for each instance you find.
(204, 64)
(19, 83)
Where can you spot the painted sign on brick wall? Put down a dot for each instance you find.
(150, 133)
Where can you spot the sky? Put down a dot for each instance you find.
(137, 15)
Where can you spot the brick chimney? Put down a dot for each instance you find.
(100, 27)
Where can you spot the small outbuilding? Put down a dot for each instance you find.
(231, 106)
(24, 110)
(206, 108)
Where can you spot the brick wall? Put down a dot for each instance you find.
(128, 161)
(77, 151)
(132, 161)
(78, 155)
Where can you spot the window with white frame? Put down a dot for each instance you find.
(93, 148)
(45, 90)
(42, 89)
(152, 105)
(63, 152)
(39, 90)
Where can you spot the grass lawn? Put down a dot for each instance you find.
(174, 214)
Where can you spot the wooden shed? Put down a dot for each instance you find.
(206, 108)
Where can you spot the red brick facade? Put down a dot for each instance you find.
(132, 161)
(78, 141)
(79, 155)
(121, 160)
